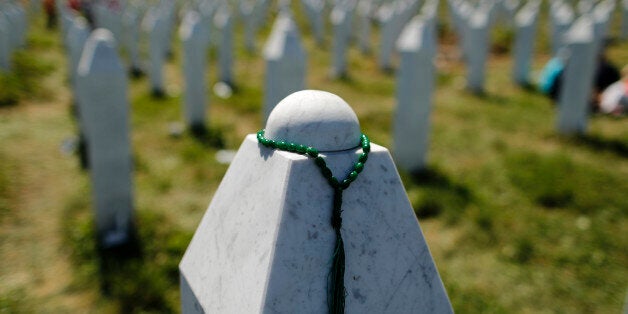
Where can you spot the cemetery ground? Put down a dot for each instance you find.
(518, 219)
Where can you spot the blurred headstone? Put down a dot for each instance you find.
(577, 78)
(525, 27)
(393, 18)
(624, 20)
(285, 62)
(102, 93)
(131, 22)
(77, 36)
(194, 38)
(601, 15)
(561, 17)
(156, 26)
(415, 85)
(224, 26)
(364, 11)
(341, 25)
(314, 9)
(5, 44)
(477, 37)
(268, 228)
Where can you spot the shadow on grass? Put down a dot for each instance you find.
(438, 194)
(208, 137)
(599, 143)
(140, 276)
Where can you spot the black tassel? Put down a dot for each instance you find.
(337, 292)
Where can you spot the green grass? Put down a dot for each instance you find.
(518, 219)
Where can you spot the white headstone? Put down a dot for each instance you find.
(194, 38)
(577, 78)
(267, 231)
(415, 85)
(5, 46)
(393, 20)
(314, 9)
(156, 25)
(285, 62)
(562, 16)
(341, 24)
(477, 37)
(131, 22)
(364, 11)
(525, 27)
(601, 15)
(624, 20)
(102, 93)
(224, 25)
(77, 36)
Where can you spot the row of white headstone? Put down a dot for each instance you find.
(13, 26)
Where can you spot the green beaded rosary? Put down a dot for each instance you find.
(335, 295)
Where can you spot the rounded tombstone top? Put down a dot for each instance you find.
(99, 54)
(314, 118)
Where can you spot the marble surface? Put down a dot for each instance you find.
(415, 85)
(314, 118)
(525, 34)
(194, 39)
(265, 242)
(131, 23)
(286, 62)
(394, 19)
(102, 96)
(578, 76)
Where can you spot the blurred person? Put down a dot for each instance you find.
(605, 74)
(51, 13)
(614, 99)
(550, 79)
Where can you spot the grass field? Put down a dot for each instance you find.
(518, 219)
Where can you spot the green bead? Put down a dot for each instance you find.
(352, 176)
(312, 152)
(363, 157)
(301, 149)
(272, 143)
(333, 181)
(292, 147)
(320, 161)
(326, 172)
(358, 167)
(344, 184)
(282, 145)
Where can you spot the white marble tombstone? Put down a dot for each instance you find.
(415, 85)
(585, 6)
(102, 95)
(267, 231)
(577, 78)
(247, 11)
(22, 23)
(561, 17)
(393, 23)
(386, 17)
(477, 37)
(223, 22)
(364, 11)
(131, 22)
(77, 36)
(5, 46)
(341, 24)
(194, 39)
(314, 9)
(156, 25)
(525, 28)
(12, 19)
(601, 15)
(285, 62)
(624, 20)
